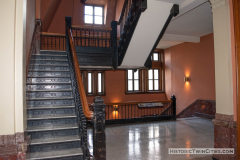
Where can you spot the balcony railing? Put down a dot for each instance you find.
(131, 112)
(87, 36)
(53, 41)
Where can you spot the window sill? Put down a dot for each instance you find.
(149, 92)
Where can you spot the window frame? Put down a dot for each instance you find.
(133, 79)
(94, 82)
(143, 76)
(92, 5)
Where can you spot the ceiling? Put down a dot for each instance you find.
(194, 20)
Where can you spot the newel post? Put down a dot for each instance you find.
(173, 98)
(68, 21)
(99, 140)
(114, 44)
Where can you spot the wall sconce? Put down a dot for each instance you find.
(186, 79)
(115, 108)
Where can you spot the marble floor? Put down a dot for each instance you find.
(151, 140)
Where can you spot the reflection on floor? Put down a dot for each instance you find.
(151, 140)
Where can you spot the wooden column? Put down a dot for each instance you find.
(99, 140)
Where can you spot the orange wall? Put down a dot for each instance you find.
(75, 9)
(195, 60)
(115, 90)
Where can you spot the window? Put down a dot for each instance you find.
(93, 14)
(153, 80)
(147, 81)
(155, 57)
(94, 82)
(133, 80)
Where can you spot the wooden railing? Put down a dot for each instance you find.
(88, 36)
(82, 108)
(131, 112)
(53, 41)
(87, 112)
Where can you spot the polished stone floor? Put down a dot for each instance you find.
(151, 140)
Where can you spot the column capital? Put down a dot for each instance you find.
(219, 3)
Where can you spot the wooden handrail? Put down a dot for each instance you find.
(132, 103)
(93, 27)
(86, 111)
(53, 34)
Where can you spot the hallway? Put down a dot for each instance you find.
(150, 141)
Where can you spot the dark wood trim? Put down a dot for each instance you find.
(236, 14)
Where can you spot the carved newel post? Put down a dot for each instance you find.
(99, 140)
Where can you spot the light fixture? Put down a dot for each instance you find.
(186, 79)
(115, 108)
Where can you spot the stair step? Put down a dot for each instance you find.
(48, 68)
(45, 117)
(52, 94)
(49, 80)
(55, 140)
(50, 98)
(49, 57)
(47, 62)
(49, 87)
(50, 107)
(42, 70)
(51, 102)
(50, 60)
(74, 152)
(51, 122)
(50, 65)
(51, 128)
(54, 74)
(53, 52)
(53, 90)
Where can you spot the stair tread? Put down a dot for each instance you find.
(47, 83)
(54, 140)
(50, 98)
(51, 90)
(54, 116)
(43, 70)
(50, 107)
(51, 127)
(49, 76)
(65, 60)
(42, 50)
(55, 65)
(56, 154)
(49, 55)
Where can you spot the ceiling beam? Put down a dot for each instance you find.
(51, 11)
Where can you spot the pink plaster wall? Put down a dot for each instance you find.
(196, 61)
(115, 90)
